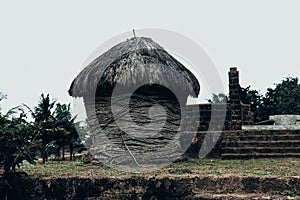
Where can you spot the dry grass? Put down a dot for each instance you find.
(257, 167)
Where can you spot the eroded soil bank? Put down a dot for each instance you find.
(22, 186)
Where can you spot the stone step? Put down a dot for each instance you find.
(262, 132)
(242, 196)
(276, 143)
(251, 150)
(290, 137)
(259, 155)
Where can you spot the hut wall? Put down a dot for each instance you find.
(144, 128)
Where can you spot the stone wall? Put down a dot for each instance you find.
(203, 115)
(234, 113)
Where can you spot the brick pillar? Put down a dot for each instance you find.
(235, 99)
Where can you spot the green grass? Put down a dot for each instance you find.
(258, 167)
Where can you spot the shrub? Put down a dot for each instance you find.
(17, 140)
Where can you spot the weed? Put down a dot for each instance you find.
(78, 163)
(263, 173)
(216, 172)
(290, 193)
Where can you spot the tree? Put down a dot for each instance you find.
(218, 98)
(284, 98)
(2, 96)
(65, 124)
(17, 140)
(43, 111)
(44, 123)
(255, 99)
(55, 125)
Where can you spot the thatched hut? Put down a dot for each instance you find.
(134, 95)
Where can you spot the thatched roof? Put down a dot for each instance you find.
(132, 62)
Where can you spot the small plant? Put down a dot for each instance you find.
(104, 167)
(78, 164)
(26, 167)
(290, 193)
(217, 172)
(180, 171)
(263, 173)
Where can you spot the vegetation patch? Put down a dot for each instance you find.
(255, 167)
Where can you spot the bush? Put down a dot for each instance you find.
(17, 140)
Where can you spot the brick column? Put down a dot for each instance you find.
(235, 99)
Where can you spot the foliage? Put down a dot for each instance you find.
(43, 111)
(44, 123)
(2, 96)
(65, 124)
(255, 99)
(78, 163)
(55, 126)
(218, 98)
(283, 99)
(17, 140)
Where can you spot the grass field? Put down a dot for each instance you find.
(254, 167)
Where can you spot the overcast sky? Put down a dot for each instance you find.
(43, 44)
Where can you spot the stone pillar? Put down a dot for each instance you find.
(235, 99)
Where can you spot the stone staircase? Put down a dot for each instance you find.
(260, 144)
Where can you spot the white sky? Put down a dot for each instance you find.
(44, 43)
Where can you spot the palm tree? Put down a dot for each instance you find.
(43, 111)
(65, 124)
(55, 125)
(44, 123)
